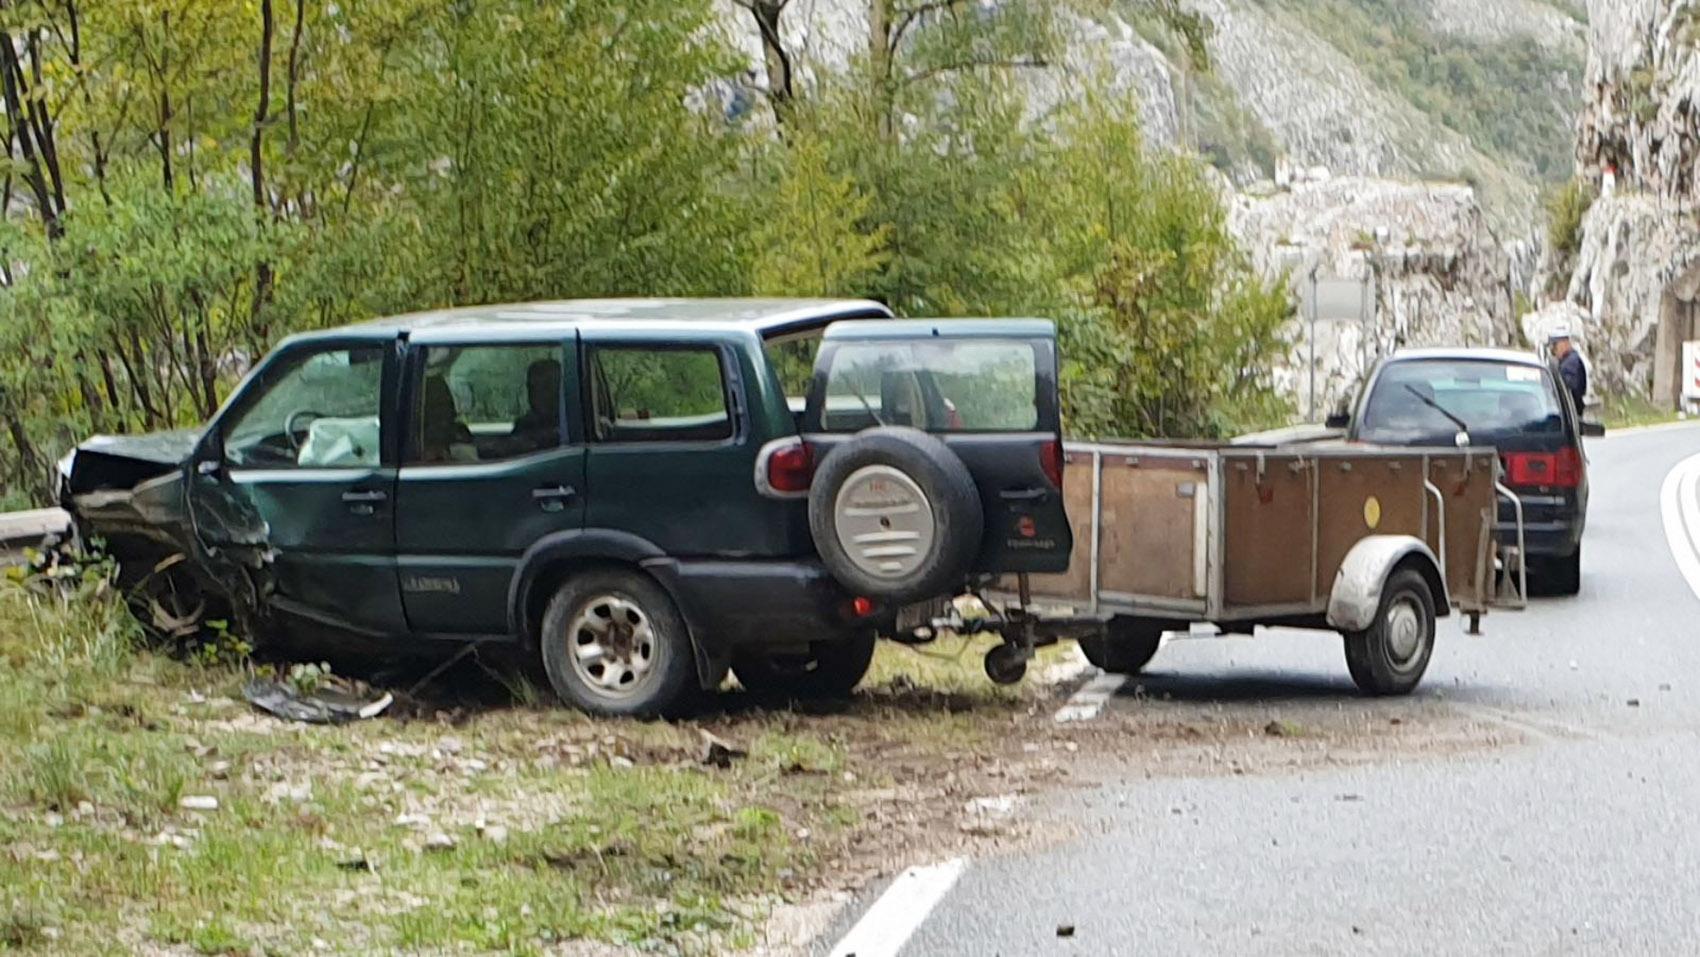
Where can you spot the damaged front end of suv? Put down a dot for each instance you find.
(159, 517)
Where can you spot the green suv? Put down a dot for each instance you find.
(646, 492)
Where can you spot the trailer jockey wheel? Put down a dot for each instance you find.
(1006, 664)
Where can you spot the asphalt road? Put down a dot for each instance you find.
(1584, 838)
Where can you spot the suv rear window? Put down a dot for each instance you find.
(1487, 396)
(981, 385)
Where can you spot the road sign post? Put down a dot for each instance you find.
(1691, 376)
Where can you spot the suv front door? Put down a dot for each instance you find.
(490, 465)
(306, 443)
(988, 389)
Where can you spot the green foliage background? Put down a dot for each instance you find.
(421, 153)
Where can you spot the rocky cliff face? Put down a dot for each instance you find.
(1385, 264)
(1281, 86)
(1387, 190)
(1637, 269)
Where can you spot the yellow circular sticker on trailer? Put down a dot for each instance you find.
(1372, 511)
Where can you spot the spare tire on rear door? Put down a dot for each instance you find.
(895, 515)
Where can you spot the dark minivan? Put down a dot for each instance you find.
(1511, 401)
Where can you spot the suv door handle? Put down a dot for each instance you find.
(553, 498)
(363, 502)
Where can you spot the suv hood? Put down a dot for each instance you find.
(130, 491)
(121, 461)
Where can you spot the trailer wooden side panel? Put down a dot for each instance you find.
(1471, 507)
(1148, 533)
(1268, 508)
(1076, 583)
(1362, 496)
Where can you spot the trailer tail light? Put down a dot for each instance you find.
(785, 468)
(1051, 460)
(1561, 469)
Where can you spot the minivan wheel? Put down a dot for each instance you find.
(1390, 656)
(896, 515)
(831, 669)
(1561, 576)
(612, 643)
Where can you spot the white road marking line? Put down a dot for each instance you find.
(1681, 514)
(1085, 704)
(888, 925)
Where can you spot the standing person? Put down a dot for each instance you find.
(1570, 366)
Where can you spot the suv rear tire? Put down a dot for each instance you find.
(832, 669)
(612, 643)
(896, 515)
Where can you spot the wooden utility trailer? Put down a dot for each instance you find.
(1373, 542)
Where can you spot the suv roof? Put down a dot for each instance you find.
(1459, 352)
(927, 328)
(761, 316)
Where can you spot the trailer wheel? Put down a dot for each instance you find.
(1127, 643)
(1390, 656)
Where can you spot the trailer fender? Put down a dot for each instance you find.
(1356, 595)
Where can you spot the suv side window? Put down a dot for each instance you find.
(654, 394)
(484, 403)
(314, 410)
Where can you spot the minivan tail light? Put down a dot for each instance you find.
(785, 468)
(1051, 460)
(1561, 469)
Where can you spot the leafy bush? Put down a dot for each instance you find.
(1567, 206)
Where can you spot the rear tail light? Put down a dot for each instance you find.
(1051, 460)
(1561, 469)
(785, 468)
(862, 606)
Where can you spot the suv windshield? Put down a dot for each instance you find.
(1424, 399)
(988, 385)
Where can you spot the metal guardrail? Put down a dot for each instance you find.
(20, 530)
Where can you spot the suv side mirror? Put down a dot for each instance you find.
(1339, 419)
(1593, 430)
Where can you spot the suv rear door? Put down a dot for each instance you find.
(491, 462)
(988, 390)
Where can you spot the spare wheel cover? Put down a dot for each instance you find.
(884, 521)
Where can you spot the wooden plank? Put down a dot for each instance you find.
(1267, 530)
(1346, 515)
(1147, 532)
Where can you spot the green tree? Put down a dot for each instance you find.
(810, 239)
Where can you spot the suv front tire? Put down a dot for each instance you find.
(613, 643)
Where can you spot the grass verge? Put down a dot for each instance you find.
(1631, 411)
(516, 829)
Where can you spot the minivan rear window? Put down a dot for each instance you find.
(980, 385)
(1413, 398)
